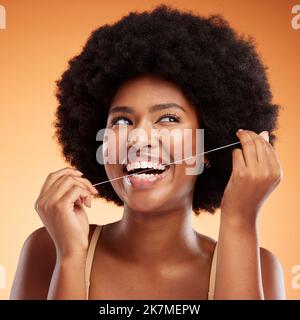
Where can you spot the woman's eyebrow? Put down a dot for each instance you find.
(162, 106)
(155, 107)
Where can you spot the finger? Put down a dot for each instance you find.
(62, 185)
(265, 135)
(53, 176)
(84, 201)
(261, 148)
(274, 161)
(238, 161)
(270, 151)
(73, 195)
(268, 157)
(249, 149)
(87, 183)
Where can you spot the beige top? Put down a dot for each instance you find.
(90, 256)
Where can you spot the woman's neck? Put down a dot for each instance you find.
(146, 238)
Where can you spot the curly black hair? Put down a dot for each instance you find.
(218, 70)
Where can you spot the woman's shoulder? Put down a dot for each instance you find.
(36, 264)
(35, 267)
(206, 243)
(40, 239)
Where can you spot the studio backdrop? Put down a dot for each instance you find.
(37, 38)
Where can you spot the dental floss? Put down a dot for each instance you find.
(149, 169)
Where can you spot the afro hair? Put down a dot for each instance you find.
(218, 70)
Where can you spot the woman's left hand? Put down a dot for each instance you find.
(256, 171)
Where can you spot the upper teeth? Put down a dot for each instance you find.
(144, 165)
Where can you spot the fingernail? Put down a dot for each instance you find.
(79, 172)
(265, 135)
(265, 132)
(240, 130)
(96, 191)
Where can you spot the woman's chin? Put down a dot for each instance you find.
(145, 205)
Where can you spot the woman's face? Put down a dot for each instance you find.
(147, 103)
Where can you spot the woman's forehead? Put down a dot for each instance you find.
(147, 91)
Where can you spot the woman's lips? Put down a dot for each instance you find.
(137, 182)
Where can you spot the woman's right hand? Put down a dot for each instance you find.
(60, 207)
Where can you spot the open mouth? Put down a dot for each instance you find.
(140, 175)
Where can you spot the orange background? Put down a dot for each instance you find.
(41, 36)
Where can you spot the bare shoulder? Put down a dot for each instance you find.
(272, 275)
(271, 268)
(35, 266)
(206, 243)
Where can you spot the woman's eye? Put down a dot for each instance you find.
(120, 121)
(124, 121)
(173, 118)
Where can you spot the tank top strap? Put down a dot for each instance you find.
(90, 257)
(212, 277)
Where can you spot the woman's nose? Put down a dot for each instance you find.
(142, 136)
(139, 138)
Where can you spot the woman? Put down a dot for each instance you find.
(163, 69)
